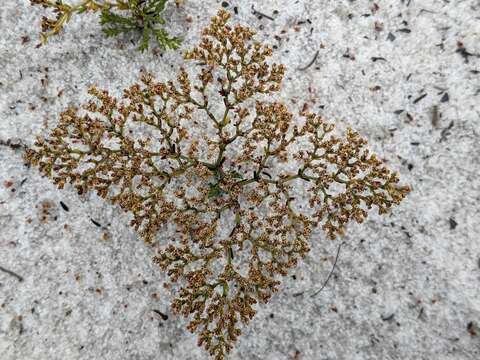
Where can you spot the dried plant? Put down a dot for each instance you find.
(116, 17)
(236, 183)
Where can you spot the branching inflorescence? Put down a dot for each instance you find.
(241, 180)
(116, 17)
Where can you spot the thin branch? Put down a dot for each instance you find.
(11, 273)
(311, 62)
(331, 272)
(258, 13)
(13, 144)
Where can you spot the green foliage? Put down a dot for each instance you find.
(118, 17)
(214, 191)
(144, 17)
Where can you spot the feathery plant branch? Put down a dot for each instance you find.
(242, 180)
(116, 17)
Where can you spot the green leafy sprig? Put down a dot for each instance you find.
(116, 17)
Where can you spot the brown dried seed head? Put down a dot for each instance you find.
(219, 173)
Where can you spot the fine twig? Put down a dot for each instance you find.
(11, 273)
(331, 272)
(311, 62)
(258, 13)
(13, 144)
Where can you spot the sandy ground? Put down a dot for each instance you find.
(405, 74)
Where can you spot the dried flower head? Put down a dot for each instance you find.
(238, 182)
(116, 17)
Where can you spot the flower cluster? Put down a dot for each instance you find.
(240, 179)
